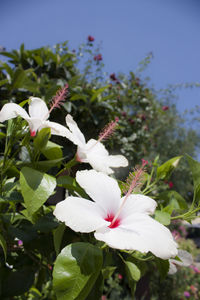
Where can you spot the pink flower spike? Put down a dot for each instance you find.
(108, 130)
(170, 184)
(144, 162)
(59, 98)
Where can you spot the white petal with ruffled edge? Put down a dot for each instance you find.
(56, 128)
(80, 215)
(172, 268)
(12, 110)
(140, 232)
(103, 189)
(137, 203)
(98, 157)
(38, 109)
(74, 135)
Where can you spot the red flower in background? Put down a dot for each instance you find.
(165, 107)
(170, 184)
(90, 38)
(113, 76)
(98, 57)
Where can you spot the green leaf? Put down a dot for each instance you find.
(174, 199)
(97, 289)
(36, 188)
(70, 184)
(167, 168)
(76, 270)
(162, 217)
(96, 93)
(133, 271)
(38, 60)
(4, 81)
(3, 245)
(42, 138)
(52, 151)
(163, 267)
(57, 237)
(19, 78)
(108, 271)
(17, 282)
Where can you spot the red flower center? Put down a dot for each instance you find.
(33, 133)
(110, 218)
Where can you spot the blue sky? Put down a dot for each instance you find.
(128, 30)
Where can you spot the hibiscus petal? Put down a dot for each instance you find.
(99, 158)
(141, 233)
(80, 215)
(38, 109)
(117, 161)
(12, 110)
(172, 268)
(34, 124)
(103, 189)
(98, 163)
(75, 136)
(137, 203)
(186, 258)
(56, 128)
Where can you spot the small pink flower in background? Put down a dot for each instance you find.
(170, 183)
(186, 294)
(124, 114)
(103, 297)
(165, 107)
(176, 234)
(193, 289)
(120, 276)
(131, 121)
(143, 117)
(98, 57)
(195, 269)
(90, 38)
(50, 267)
(20, 243)
(183, 230)
(113, 77)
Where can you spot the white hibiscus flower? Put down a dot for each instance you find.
(37, 117)
(122, 223)
(93, 152)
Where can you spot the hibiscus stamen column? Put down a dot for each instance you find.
(132, 182)
(59, 98)
(108, 130)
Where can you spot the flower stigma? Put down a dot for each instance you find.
(133, 181)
